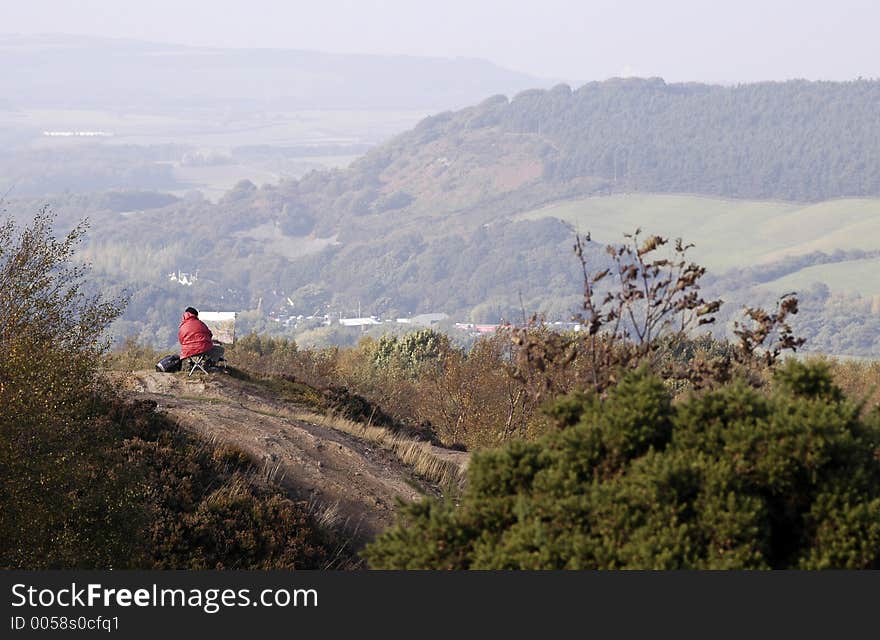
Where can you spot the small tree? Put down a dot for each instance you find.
(411, 352)
(61, 498)
(43, 302)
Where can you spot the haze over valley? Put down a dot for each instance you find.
(81, 113)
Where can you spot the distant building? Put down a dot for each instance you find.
(470, 327)
(181, 277)
(359, 322)
(486, 328)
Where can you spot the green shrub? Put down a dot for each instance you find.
(411, 352)
(263, 354)
(730, 478)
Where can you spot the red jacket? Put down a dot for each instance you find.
(194, 336)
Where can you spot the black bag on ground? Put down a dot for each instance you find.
(169, 364)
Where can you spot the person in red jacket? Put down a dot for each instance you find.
(195, 337)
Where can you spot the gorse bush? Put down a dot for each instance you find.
(729, 478)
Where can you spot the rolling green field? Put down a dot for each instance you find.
(733, 233)
(852, 276)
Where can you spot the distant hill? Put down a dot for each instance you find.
(63, 71)
(472, 212)
(797, 140)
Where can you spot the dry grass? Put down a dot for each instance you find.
(132, 356)
(432, 463)
(327, 516)
(428, 461)
(859, 379)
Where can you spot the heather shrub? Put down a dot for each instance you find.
(207, 509)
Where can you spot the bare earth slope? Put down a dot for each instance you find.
(353, 479)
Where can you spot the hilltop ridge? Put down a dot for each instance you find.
(59, 70)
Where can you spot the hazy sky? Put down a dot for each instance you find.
(572, 40)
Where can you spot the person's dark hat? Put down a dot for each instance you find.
(191, 310)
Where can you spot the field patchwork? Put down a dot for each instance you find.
(739, 233)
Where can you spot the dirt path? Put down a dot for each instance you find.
(350, 479)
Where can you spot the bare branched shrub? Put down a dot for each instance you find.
(766, 326)
(644, 309)
(650, 296)
(642, 300)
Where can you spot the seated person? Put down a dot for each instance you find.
(196, 338)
